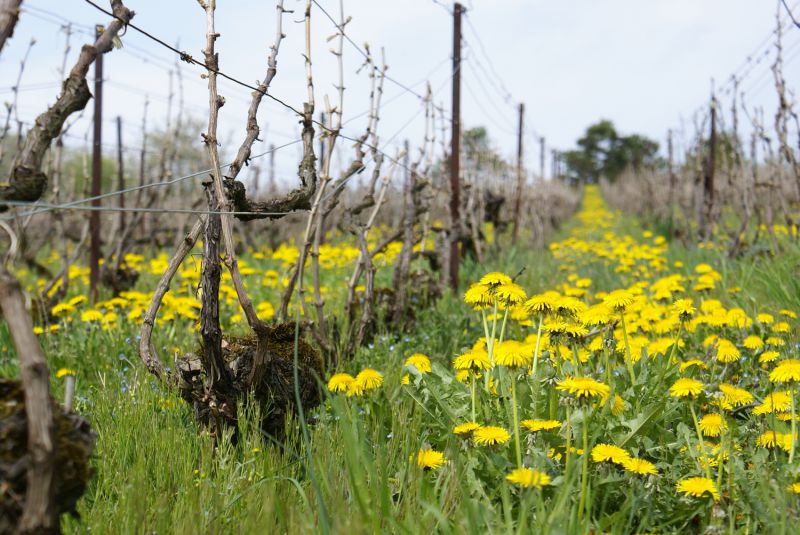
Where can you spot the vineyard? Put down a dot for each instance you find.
(387, 322)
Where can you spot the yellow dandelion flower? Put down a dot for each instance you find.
(684, 308)
(62, 309)
(355, 388)
(703, 283)
(611, 453)
(710, 305)
(109, 320)
(734, 396)
(369, 379)
(135, 314)
(511, 293)
(770, 439)
(788, 313)
(599, 314)
(526, 477)
(640, 467)
(555, 327)
(703, 268)
(795, 488)
(429, 459)
(774, 402)
(542, 303)
(570, 306)
(786, 442)
(787, 371)
(693, 362)
(619, 299)
(63, 372)
(736, 317)
(697, 487)
(775, 341)
(753, 342)
(576, 330)
(463, 376)
(766, 319)
(711, 425)
(540, 425)
(768, 356)
(686, 387)
(618, 406)
(495, 278)
(465, 429)
(340, 382)
(490, 435)
(584, 387)
(478, 295)
(473, 360)
(513, 354)
(421, 362)
(77, 300)
(89, 316)
(597, 344)
(405, 379)
(726, 351)
(781, 327)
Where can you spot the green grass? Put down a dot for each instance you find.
(156, 472)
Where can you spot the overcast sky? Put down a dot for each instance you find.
(644, 64)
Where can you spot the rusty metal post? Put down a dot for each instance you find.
(455, 151)
(97, 172)
(518, 199)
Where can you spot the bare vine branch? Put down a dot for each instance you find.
(9, 15)
(39, 515)
(27, 181)
(146, 350)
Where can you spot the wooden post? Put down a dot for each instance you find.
(69, 392)
(672, 177)
(273, 187)
(97, 171)
(518, 198)
(142, 226)
(455, 150)
(120, 175)
(406, 162)
(406, 179)
(708, 178)
(542, 157)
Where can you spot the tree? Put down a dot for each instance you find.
(602, 152)
(478, 152)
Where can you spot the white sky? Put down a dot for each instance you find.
(644, 64)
